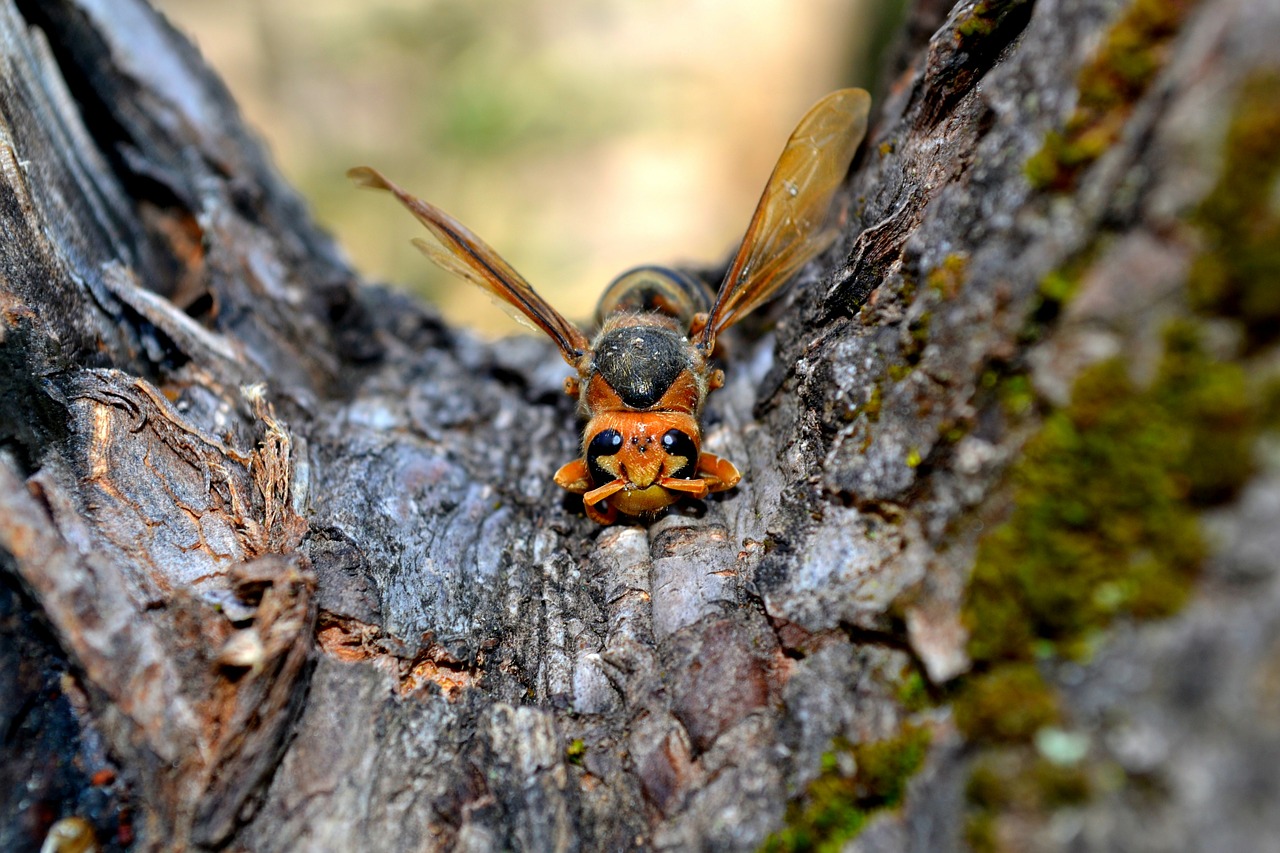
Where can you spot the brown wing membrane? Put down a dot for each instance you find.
(790, 224)
(461, 252)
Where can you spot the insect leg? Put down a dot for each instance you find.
(693, 488)
(595, 496)
(718, 473)
(574, 477)
(606, 516)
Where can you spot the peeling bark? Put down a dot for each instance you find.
(284, 567)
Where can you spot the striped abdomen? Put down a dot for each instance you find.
(653, 289)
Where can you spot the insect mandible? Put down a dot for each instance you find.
(644, 375)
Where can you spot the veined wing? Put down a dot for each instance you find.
(790, 224)
(456, 249)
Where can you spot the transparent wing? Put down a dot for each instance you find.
(790, 224)
(456, 249)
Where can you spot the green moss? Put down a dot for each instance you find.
(1105, 498)
(919, 331)
(1133, 51)
(1008, 703)
(1058, 287)
(985, 18)
(575, 751)
(1010, 781)
(998, 785)
(988, 787)
(1269, 403)
(951, 431)
(1238, 273)
(874, 403)
(1055, 290)
(977, 23)
(980, 833)
(1100, 525)
(913, 692)
(1103, 525)
(1017, 397)
(910, 286)
(884, 766)
(949, 276)
(835, 806)
(899, 372)
(1214, 400)
(1057, 786)
(1065, 154)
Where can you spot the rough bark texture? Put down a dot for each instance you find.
(284, 568)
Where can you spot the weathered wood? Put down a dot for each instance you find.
(284, 567)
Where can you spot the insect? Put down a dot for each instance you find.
(644, 375)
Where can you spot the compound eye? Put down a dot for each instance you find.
(606, 443)
(681, 452)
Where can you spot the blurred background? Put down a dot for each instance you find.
(577, 137)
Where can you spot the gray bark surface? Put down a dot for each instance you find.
(283, 564)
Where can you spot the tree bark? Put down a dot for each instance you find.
(284, 568)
